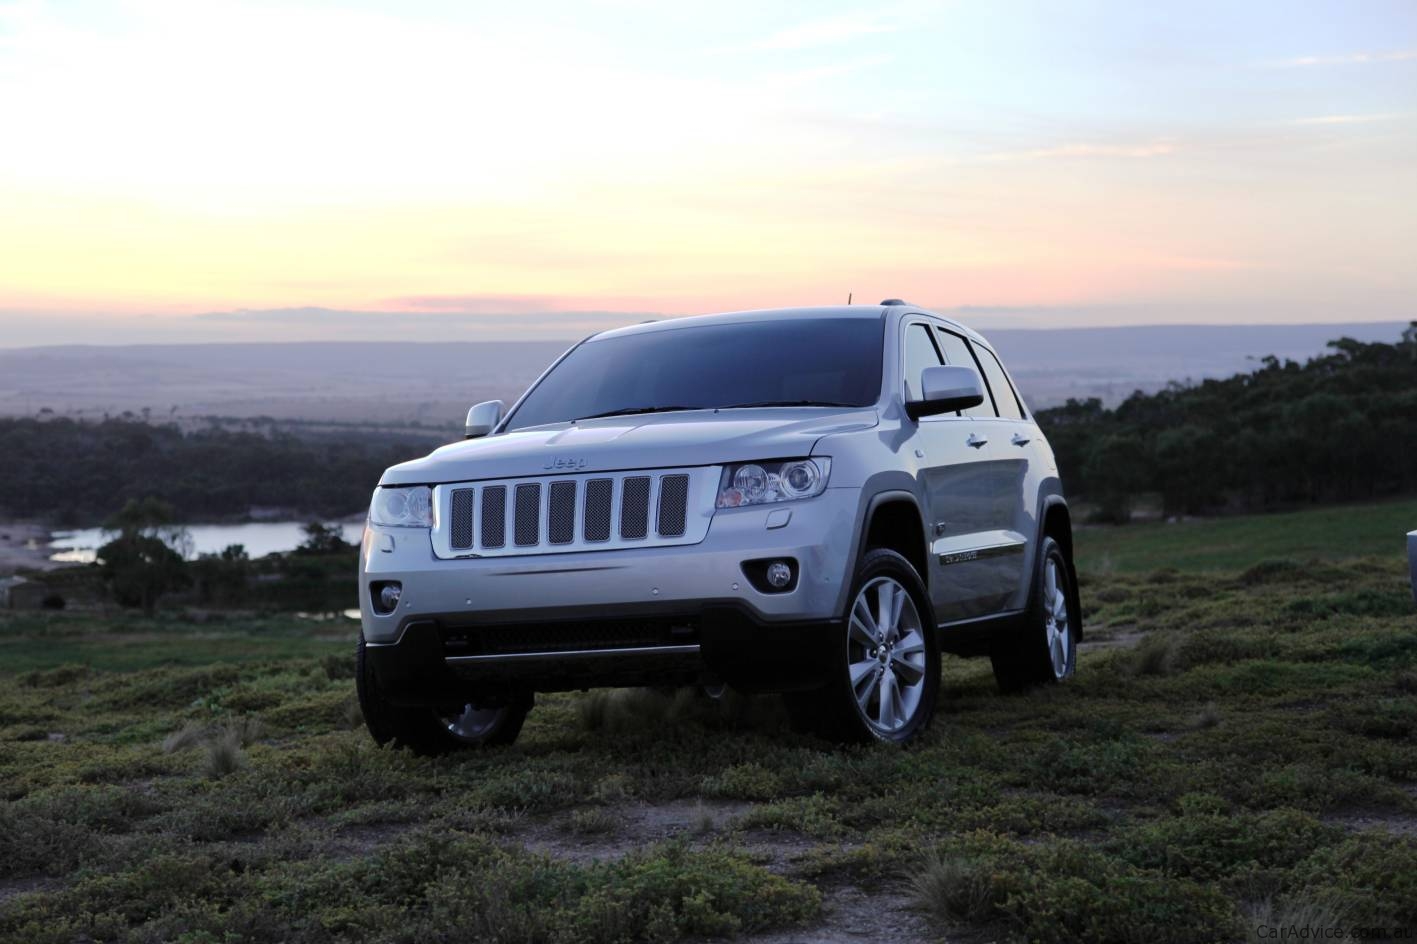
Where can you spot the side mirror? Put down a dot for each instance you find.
(483, 418)
(946, 389)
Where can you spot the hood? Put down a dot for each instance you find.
(653, 441)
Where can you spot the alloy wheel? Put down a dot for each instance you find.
(472, 724)
(1055, 615)
(886, 655)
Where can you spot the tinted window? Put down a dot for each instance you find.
(956, 350)
(835, 361)
(1004, 395)
(920, 353)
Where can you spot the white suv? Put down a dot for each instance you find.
(810, 501)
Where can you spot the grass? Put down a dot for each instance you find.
(126, 642)
(1251, 758)
(1234, 544)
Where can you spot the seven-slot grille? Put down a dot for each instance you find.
(581, 512)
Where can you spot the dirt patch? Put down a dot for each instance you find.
(1392, 822)
(354, 842)
(13, 888)
(854, 914)
(634, 825)
(1125, 636)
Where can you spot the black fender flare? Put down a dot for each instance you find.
(1048, 503)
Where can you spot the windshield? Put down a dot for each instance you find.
(790, 362)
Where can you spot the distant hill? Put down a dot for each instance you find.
(1112, 363)
(347, 382)
(435, 383)
(1335, 428)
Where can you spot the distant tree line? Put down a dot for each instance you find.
(146, 556)
(79, 473)
(1342, 426)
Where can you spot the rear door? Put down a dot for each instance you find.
(981, 550)
(952, 473)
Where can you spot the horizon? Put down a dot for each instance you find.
(392, 382)
(569, 339)
(240, 171)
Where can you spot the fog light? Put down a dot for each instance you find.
(772, 575)
(388, 598)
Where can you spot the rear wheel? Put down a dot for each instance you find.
(886, 664)
(432, 730)
(1044, 650)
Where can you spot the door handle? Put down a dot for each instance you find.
(1020, 440)
(975, 441)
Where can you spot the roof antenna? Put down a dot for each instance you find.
(848, 298)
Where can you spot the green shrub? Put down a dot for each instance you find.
(744, 782)
(1065, 893)
(1371, 876)
(1210, 846)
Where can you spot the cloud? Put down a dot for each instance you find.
(1086, 150)
(1356, 58)
(822, 73)
(460, 319)
(1344, 119)
(813, 34)
(473, 304)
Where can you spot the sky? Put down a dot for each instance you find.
(185, 170)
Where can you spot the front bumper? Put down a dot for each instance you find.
(818, 534)
(429, 665)
(693, 595)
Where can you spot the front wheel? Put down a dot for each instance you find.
(433, 731)
(885, 662)
(1045, 649)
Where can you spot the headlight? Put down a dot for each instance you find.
(760, 483)
(402, 507)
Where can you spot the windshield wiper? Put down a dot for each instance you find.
(745, 406)
(635, 410)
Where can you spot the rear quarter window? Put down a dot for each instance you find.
(1004, 396)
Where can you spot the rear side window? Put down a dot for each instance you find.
(1004, 396)
(920, 353)
(957, 352)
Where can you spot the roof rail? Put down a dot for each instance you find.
(895, 301)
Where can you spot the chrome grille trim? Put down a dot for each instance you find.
(673, 505)
(461, 517)
(559, 514)
(494, 516)
(527, 511)
(599, 499)
(634, 507)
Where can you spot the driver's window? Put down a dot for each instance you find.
(920, 353)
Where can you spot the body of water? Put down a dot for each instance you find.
(259, 539)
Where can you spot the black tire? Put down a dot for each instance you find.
(1025, 659)
(835, 711)
(423, 729)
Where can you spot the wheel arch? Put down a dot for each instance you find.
(893, 520)
(1055, 521)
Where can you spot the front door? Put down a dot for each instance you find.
(965, 495)
(987, 504)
